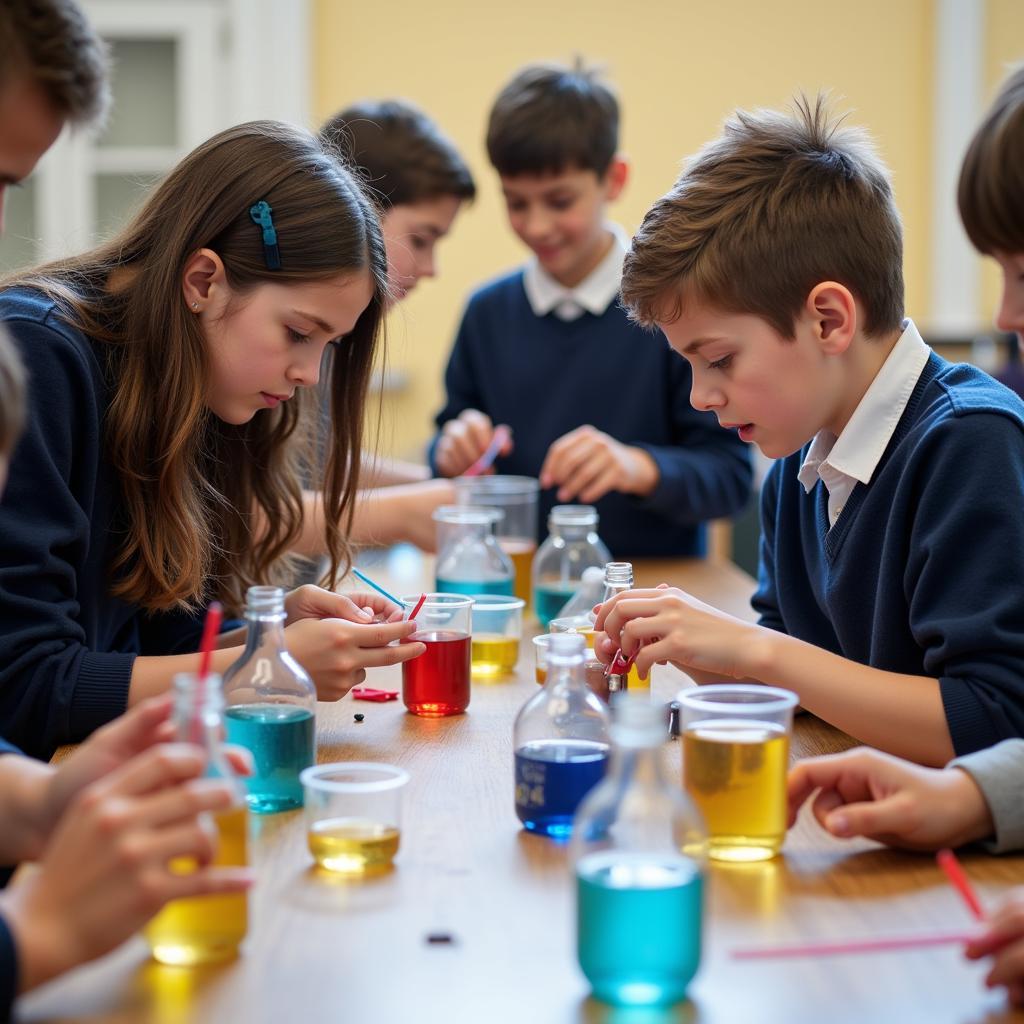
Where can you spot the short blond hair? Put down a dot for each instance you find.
(12, 396)
(762, 214)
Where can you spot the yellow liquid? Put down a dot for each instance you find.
(494, 655)
(352, 846)
(205, 929)
(736, 774)
(634, 682)
(540, 673)
(521, 553)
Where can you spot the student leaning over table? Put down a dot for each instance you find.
(166, 421)
(892, 547)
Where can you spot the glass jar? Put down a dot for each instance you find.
(469, 559)
(571, 546)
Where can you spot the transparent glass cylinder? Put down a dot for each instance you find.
(469, 558)
(560, 742)
(271, 706)
(572, 545)
(640, 897)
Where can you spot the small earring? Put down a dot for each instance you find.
(195, 307)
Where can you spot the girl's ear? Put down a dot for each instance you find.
(202, 279)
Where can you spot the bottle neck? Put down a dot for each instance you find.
(564, 672)
(638, 765)
(573, 531)
(265, 631)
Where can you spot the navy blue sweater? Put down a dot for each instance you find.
(923, 572)
(544, 377)
(66, 646)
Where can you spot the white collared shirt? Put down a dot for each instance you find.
(841, 463)
(594, 294)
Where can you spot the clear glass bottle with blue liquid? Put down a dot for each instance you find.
(469, 558)
(560, 739)
(639, 854)
(271, 706)
(572, 544)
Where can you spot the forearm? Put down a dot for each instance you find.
(23, 786)
(898, 713)
(151, 676)
(378, 471)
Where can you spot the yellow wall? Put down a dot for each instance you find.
(680, 67)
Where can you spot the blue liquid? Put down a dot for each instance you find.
(282, 740)
(638, 930)
(550, 598)
(552, 777)
(499, 586)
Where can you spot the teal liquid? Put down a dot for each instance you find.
(499, 586)
(550, 598)
(638, 926)
(282, 740)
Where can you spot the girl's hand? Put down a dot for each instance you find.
(336, 653)
(311, 602)
(1003, 940)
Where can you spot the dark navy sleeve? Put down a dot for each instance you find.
(706, 472)
(766, 600)
(8, 971)
(53, 688)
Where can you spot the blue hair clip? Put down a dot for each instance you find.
(260, 214)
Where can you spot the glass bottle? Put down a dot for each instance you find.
(572, 544)
(639, 856)
(205, 929)
(618, 578)
(469, 558)
(271, 706)
(560, 739)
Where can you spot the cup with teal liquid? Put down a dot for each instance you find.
(469, 559)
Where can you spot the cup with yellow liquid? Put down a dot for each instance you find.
(353, 815)
(735, 756)
(497, 630)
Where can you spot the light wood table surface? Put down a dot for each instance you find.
(325, 950)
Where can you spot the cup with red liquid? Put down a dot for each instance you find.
(436, 683)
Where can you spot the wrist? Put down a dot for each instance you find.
(759, 654)
(974, 816)
(644, 472)
(41, 942)
(31, 797)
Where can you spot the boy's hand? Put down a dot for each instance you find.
(1003, 940)
(864, 792)
(463, 440)
(586, 464)
(672, 626)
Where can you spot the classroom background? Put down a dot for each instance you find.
(916, 73)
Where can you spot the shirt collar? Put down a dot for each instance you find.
(594, 294)
(859, 448)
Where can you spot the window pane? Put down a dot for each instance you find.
(145, 109)
(118, 196)
(18, 245)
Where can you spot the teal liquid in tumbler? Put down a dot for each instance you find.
(638, 926)
(281, 738)
(496, 586)
(551, 598)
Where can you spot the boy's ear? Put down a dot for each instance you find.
(615, 177)
(832, 312)
(202, 277)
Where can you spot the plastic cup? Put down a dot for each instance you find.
(582, 624)
(497, 629)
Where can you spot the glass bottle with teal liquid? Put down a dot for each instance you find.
(469, 558)
(639, 855)
(560, 740)
(271, 706)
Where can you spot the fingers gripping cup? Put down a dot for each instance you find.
(735, 755)
(436, 683)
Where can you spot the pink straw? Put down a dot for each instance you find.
(213, 617)
(955, 873)
(417, 607)
(498, 441)
(892, 943)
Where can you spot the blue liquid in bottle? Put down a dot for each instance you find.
(281, 738)
(552, 777)
(498, 586)
(638, 926)
(550, 598)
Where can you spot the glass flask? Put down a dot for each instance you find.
(205, 929)
(639, 855)
(618, 578)
(469, 559)
(560, 739)
(571, 546)
(271, 706)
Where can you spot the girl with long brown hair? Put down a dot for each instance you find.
(165, 440)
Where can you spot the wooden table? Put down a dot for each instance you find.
(325, 950)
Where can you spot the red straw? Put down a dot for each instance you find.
(210, 628)
(955, 873)
(895, 942)
(498, 441)
(417, 607)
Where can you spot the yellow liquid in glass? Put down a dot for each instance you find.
(205, 929)
(521, 552)
(494, 655)
(736, 774)
(352, 846)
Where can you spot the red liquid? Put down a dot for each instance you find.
(437, 682)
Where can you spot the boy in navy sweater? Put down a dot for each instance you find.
(892, 544)
(598, 409)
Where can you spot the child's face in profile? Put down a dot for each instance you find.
(1010, 317)
(411, 232)
(560, 217)
(777, 392)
